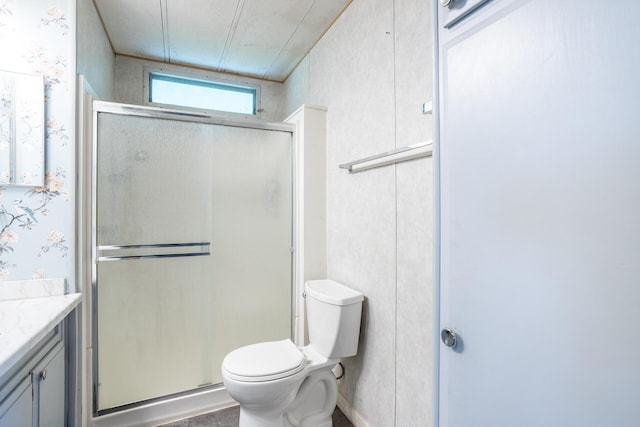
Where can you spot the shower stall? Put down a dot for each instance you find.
(192, 231)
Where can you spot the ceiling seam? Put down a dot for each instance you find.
(289, 39)
(232, 32)
(317, 41)
(104, 27)
(190, 66)
(164, 16)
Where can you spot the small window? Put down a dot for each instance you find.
(201, 94)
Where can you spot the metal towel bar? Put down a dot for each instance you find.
(150, 251)
(415, 151)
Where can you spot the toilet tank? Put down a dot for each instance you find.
(333, 318)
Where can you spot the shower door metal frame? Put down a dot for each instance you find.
(184, 116)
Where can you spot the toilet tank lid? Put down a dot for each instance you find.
(332, 292)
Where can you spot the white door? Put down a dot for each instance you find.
(539, 120)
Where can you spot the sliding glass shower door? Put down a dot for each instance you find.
(192, 253)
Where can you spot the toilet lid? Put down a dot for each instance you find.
(264, 361)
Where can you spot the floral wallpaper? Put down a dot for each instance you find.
(36, 228)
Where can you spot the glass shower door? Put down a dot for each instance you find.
(252, 239)
(192, 252)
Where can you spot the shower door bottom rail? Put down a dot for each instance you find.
(152, 251)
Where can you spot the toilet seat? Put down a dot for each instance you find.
(265, 361)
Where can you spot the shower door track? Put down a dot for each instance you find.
(186, 116)
(177, 115)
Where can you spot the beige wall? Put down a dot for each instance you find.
(130, 85)
(95, 58)
(372, 70)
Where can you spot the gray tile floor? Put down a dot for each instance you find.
(229, 418)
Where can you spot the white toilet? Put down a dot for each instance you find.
(280, 385)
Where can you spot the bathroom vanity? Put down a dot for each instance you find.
(34, 319)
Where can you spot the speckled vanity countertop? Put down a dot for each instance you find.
(28, 311)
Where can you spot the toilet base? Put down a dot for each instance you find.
(315, 401)
(250, 418)
(313, 405)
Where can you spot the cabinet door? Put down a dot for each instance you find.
(50, 376)
(17, 409)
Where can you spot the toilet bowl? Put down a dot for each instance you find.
(280, 385)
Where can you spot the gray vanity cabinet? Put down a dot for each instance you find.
(49, 389)
(16, 409)
(33, 393)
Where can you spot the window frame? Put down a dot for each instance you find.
(207, 80)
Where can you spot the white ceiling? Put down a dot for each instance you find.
(258, 38)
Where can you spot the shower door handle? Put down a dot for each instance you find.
(150, 251)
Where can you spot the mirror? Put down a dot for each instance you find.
(22, 130)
